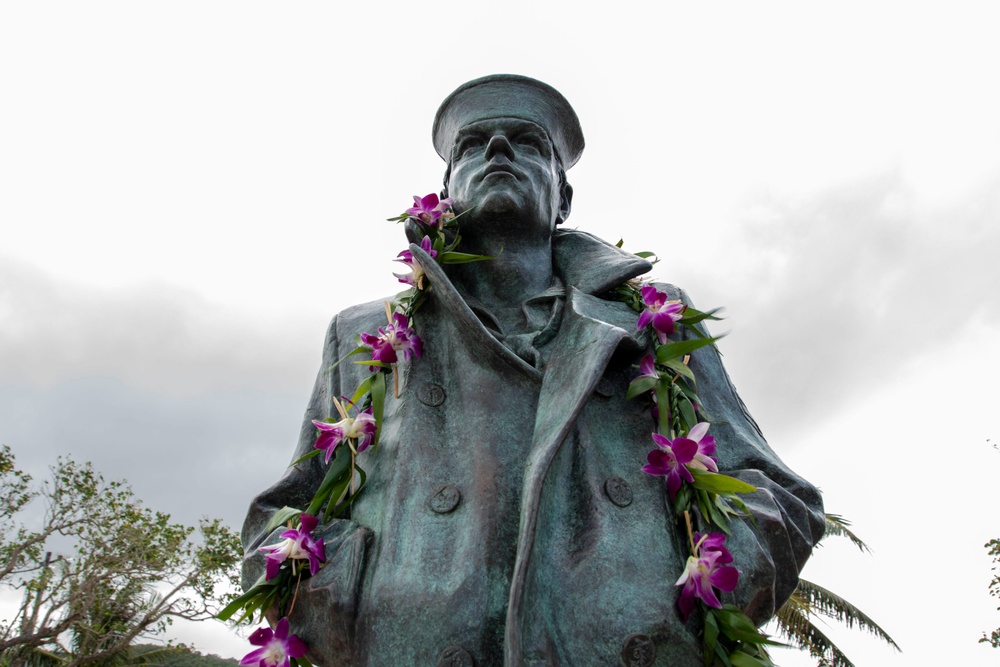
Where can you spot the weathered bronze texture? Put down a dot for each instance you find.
(506, 520)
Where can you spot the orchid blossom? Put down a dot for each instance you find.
(705, 571)
(392, 339)
(703, 459)
(647, 367)
(416, 277)
(297, 545)
(669, 459)
(428, 209)
(276, 648)
(659, 311)
(360, 430)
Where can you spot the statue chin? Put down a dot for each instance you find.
(507, 210)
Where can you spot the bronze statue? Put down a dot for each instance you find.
(506, 519)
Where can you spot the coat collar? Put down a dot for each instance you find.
(593, 265)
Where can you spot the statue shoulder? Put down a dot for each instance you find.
(345, 327)
(673, 292)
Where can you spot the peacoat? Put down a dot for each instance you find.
(506, 519)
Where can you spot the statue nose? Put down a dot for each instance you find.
(499, 145)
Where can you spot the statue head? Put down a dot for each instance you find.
(508, 141)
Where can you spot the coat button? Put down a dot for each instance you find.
(445, 499)
(431, 394)
(638, 651)
(455, 656)
(618, 491)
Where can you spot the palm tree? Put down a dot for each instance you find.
(795, 618)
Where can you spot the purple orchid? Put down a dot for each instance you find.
(429, 209)
(416, 278)
(276, 648)
(298, 545)
(713, 542)
(392, 339)
(647, 367)
(669, 459)
(706, 572)
(661, 312)
(360, 429)
(703, 459)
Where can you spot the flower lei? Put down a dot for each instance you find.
(683, 455)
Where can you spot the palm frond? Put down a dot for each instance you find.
(837, 526)
(794, 623)
(31, 657)
(817, 599)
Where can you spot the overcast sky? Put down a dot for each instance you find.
(190, 190)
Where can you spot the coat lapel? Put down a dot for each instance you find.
(590, 332)
(576, 362)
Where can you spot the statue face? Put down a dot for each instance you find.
(506, 168)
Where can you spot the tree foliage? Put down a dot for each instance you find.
(96, 569)
(795, 618)
(993, 639)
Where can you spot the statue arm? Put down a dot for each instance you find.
(787, 510)
(326, 603)
(299, 482)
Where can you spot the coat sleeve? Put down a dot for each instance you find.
(788, 510)
(326, 604)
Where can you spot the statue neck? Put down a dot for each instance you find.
(520, 269)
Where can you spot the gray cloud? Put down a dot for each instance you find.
(837, 293)
(197, 405)
(156, 336)
(189, 456)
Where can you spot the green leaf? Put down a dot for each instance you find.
(308, 456)
(838, 526)
(357, 491)
(687, 412)
(645, 254)
(338, 468)
(663, 405)
(358, 350)
(689, 392)
(710, 637)
(679, 366)
(710, 512)
(282, 516)
(740, 659)
(665, 353)
(640, 386)
(620, 243)
(260, 587)
(723, 655)
(682, 501)
(361, 390)
(373, 363)
(453, 257)
(378, 405)
(714, 482)
(336, 495)
(694, 316)
(736, 625)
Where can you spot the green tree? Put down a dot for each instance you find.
(993, 547)
(795, 618)
(97, 570)
(993, 639)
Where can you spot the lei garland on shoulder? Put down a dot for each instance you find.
(703, 499)
(683, 455)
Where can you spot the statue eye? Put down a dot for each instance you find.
(533, 141)
(469, 145)
(529, 140)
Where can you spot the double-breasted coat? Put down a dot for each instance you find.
(506, 519)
